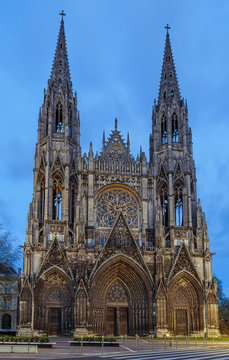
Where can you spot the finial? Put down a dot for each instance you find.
(116, 123)
(62, 14)
(167, 27)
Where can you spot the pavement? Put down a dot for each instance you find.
(131, 350)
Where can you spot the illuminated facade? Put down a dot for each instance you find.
(115, 244)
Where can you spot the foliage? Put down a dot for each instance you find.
(33, 339)
(9, 254)
(95, 338)
(223, 308)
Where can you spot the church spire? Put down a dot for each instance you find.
(60, 71)
(169, 87)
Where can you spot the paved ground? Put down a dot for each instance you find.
(130, 350)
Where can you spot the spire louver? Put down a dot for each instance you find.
(169, 87)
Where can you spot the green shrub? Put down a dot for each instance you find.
(94, 338)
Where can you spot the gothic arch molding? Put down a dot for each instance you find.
(185, 304)
(54, 302)
(130, 277)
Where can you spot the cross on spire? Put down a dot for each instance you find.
(62, 14)
(167, 27)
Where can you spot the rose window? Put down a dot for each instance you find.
(111, 202)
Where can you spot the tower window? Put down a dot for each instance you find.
(164, 95)
(69, 121)
(59, 118)
(172, 93)
(57, 201)
(164, 135)
(71, 203)
(41, 204)
(178, 207)
(174, 128)
(164, 205)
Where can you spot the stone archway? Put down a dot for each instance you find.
(120, 298)
(54, 303)
(185, 305)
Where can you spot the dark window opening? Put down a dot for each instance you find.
(164, 95)
(164, 137)
(167, 241)
(71, 241)
(71, 203)
(175, 137)
(40, 239)
(69, 121)
(165, 206)
(172, 93)
(59, 118)
(6, 322)
(41, 205)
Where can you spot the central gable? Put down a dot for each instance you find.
(121, 241)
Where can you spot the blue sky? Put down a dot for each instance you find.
(115, 50)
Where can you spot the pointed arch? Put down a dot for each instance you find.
(59, 117)
(54, 302)
(185, 304)
(164, 130)
(72, 195)
(70, 120)
(175, 132)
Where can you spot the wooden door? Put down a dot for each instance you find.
(111, 321)
(54, 321)
(181, 322)
(123, 321)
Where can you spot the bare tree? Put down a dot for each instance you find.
(10, 255)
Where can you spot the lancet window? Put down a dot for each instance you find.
(178, 206)
(164, 134)
(41, 203)
(69, 121)
(57, 199)
(72, 199)
(59, 117)
(164, 205)
(175, 128)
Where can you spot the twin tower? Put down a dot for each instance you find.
(115, 245)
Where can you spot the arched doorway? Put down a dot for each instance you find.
(6, 322)
(185, 305)
(120, 297)
(54, 303)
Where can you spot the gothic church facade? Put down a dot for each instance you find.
(115, 244)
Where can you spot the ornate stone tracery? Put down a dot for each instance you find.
(113, 201)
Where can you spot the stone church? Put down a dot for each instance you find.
(115, 244)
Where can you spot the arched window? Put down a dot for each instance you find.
(69, 121)
(6, 322)
(164, 137)
(41, 204)
(71, 204)
(164, 204)
(178, 207)
(59, 118)
(57, 200)
(174, 128)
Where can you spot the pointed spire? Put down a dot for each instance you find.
(116, 124)
(169, 87)
(60, 70)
